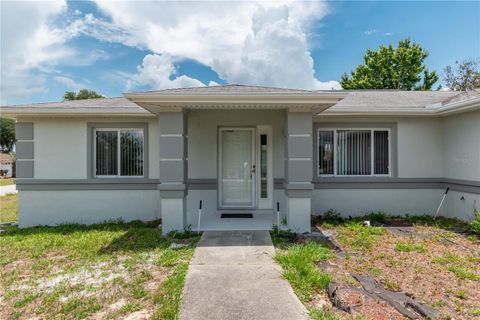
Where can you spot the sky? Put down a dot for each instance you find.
(48, 48)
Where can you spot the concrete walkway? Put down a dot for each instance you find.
(233, 276)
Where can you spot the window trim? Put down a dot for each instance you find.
(91, 147)
(335, 130)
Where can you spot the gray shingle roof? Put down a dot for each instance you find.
(387, 98)
(361, 100)
(463, 96)
(228, 89)
(103, 103)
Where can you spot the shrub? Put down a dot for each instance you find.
(379, 216)
(475, 224)
(331, 214)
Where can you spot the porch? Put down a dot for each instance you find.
(244, 152)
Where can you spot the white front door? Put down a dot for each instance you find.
(237, 167)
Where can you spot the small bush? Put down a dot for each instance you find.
(475, 224)
(331, 214)
(378, 216)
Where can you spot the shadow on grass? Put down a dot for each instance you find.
(133, 236)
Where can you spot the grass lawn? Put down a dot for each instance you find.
(9, 208)
(7, 182)
(433, 263)
(104, 271)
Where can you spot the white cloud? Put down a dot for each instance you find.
(156, 71)
(32, 46)
(387, 34)
(27, 42)
(370, 32)
(259, 43)
(69, 83)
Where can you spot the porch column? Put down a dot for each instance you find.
(298, 170)
(173, 170)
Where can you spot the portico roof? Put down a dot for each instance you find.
(235, 97)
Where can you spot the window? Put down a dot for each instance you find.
(119, 152)
(263, 167)
(353, 152)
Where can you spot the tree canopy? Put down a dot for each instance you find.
(7, 134)
(463, 75)
(81, 95)
(400, 68)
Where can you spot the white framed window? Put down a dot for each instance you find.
(118, 152)
(354, 152)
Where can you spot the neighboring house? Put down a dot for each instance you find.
(242, 149)
(6, 165)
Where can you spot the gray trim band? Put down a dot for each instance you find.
(24, 168)
(24, 131)
(202, 184)
(91, 143)
(397, 183)
(87, 184)
(210, 184)
(24, 149)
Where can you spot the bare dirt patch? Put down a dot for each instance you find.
(437, 267)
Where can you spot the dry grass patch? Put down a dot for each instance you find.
(7, 182)
(437, 266)
(9, 208)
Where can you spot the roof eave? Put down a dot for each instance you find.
(50, 112)
(156, 103)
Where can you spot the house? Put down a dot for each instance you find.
(243, 149)
(7, 163)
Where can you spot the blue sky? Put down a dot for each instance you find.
(112, 48)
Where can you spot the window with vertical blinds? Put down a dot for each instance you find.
(119, 152)
(360, 152)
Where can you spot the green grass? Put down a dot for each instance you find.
(7, 182)
(9, 208)
(410, 246)
(299, 269)
(460, 267)
(358, 237)
(120, 259)
(463, 273)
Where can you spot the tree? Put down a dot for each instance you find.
(463, 75)
(7, 134)
(400, 68)
(81, 95)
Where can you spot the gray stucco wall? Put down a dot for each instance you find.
(433, 153)
(60, 149)
(86, 207)
(430, 151)
(461, 146)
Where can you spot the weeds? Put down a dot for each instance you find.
(76, 271)
(475, 224)
(358, 237)
(410, 246)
